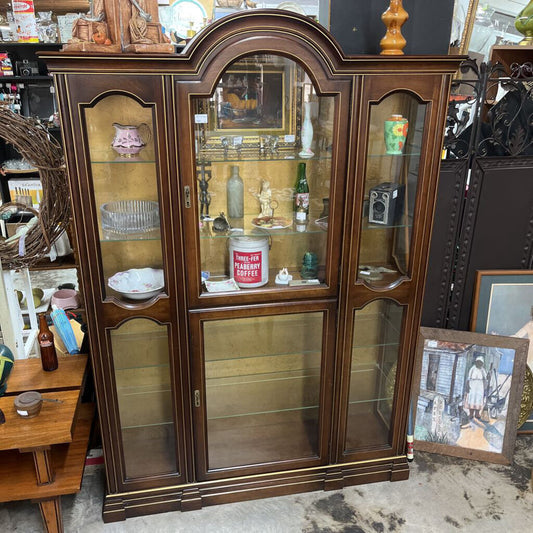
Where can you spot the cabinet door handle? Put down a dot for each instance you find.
(187, 191)
(196, 398)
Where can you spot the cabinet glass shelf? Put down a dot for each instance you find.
(259, 413)
(310, 227)
(135, 390)
(155, 424)
(112, 159)
(377, 345)
(406, 153)
(271, 285)
(263, 378)
(385, 226)
(273, 356)
(371, 400)
(139, 367)
(149, 236)
(282, 156)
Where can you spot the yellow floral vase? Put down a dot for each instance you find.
(396, 128)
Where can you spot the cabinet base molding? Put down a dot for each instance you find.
(192, 497)
(334, 479)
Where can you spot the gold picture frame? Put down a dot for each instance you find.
(255, 105)
(468, 26)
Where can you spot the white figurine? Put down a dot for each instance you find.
(283, 277)
(265, 198)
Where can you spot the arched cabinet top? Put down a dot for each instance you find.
(266, 32)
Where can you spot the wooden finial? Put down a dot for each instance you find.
(394, 18)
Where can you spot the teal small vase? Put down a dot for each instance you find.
(6, 365)
(309, 266)
(396, 128)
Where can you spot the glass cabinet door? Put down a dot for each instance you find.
(263, 166)
(124, 179)
(390, 188)
(140, 349)
(126, 239)
(264, 390)
(374, 356)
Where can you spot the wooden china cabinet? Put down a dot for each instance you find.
(225, 384)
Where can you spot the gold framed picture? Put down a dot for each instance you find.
(254, 105)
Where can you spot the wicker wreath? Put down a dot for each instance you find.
(35, 144)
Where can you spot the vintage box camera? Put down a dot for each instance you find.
(27, 68)
(386, 203)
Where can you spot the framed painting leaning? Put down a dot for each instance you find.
(469, 392)
(503, 305)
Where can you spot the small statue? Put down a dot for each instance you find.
(205, 197)
(265, 199)
(139, 22)
(91, 27)
(283, 277)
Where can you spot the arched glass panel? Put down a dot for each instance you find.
(124, 177)
(391, 183)
(375, 349)
(263, 128)
(140, 350)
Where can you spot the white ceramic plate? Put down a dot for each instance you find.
(138, 283)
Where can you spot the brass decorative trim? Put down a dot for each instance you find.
(233, 480)
(526, 404)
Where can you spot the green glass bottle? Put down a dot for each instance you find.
(301, 193)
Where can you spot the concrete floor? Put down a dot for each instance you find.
(443, 494)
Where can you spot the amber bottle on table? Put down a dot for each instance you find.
(46, 344)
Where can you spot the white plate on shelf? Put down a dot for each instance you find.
(138, 283)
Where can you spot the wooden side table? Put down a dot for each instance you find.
(43, 458)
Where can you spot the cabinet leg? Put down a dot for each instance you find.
(400, 471)
(51, 514)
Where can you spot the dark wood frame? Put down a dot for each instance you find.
(517, 380)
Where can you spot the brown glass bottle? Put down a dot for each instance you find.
(46, 344)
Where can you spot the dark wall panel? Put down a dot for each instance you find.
(357, 25)
(446, 227)
(497, 229)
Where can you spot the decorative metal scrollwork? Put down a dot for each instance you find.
(490, 113)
